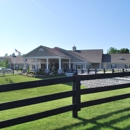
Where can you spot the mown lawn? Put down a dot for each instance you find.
(109, 116)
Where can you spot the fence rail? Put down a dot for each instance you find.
(75, 93)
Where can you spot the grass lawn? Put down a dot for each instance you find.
(109, 116)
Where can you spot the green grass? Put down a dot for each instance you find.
(8, 79)
(109, 116)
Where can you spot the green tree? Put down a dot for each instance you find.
(112, 50)
(124, 50)
(6, 54)
(4, 63)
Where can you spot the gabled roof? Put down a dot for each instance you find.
(92, 56)
(48, 52)
(116, 58)
(74, 58)
(58, 52)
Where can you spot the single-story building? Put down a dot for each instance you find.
(47, 58)
(16, 62)
(59, 59)
(116, 61)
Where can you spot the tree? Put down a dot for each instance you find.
(112, 50)
(124, 50)
(4, 63)
(6, 54)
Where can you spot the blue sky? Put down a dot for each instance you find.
(87, 24)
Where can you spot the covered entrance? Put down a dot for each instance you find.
(47, 59)
(50, 64)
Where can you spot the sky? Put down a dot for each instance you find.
(87, 24)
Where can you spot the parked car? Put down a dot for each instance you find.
(8, 69)
(2, 68)
(5, 69)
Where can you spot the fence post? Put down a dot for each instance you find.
(88, 71)
(104, 71)
(112, 70)
(95, 71)
(76, 97)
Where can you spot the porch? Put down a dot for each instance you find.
(49, 64)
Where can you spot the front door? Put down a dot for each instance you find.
(43, 66)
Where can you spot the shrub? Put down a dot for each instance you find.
(54, 72)
(41, 72)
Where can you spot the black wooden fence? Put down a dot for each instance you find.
(75, 94)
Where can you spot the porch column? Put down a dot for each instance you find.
(69, 64)
(36, 63)
(59, 63)
(59, 70)
(47, 63)
(47, 68)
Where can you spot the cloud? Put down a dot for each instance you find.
(33, 1)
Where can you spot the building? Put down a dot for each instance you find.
(15, 62)
(59, 59)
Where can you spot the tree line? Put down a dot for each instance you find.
(19, 54)
(113, 50)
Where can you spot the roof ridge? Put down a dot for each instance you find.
(79, 57)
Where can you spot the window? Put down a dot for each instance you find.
(16, 66)
(41, 49)
(33, 66)
(126, 66)
(88, 66)
(113, 65)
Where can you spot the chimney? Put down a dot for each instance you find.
(74, 48)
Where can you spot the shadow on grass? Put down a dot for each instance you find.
(50, 77)
(96, 125)
(69, 83)
(53, 77)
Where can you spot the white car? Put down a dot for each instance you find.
(8, 69)
(5, 69)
